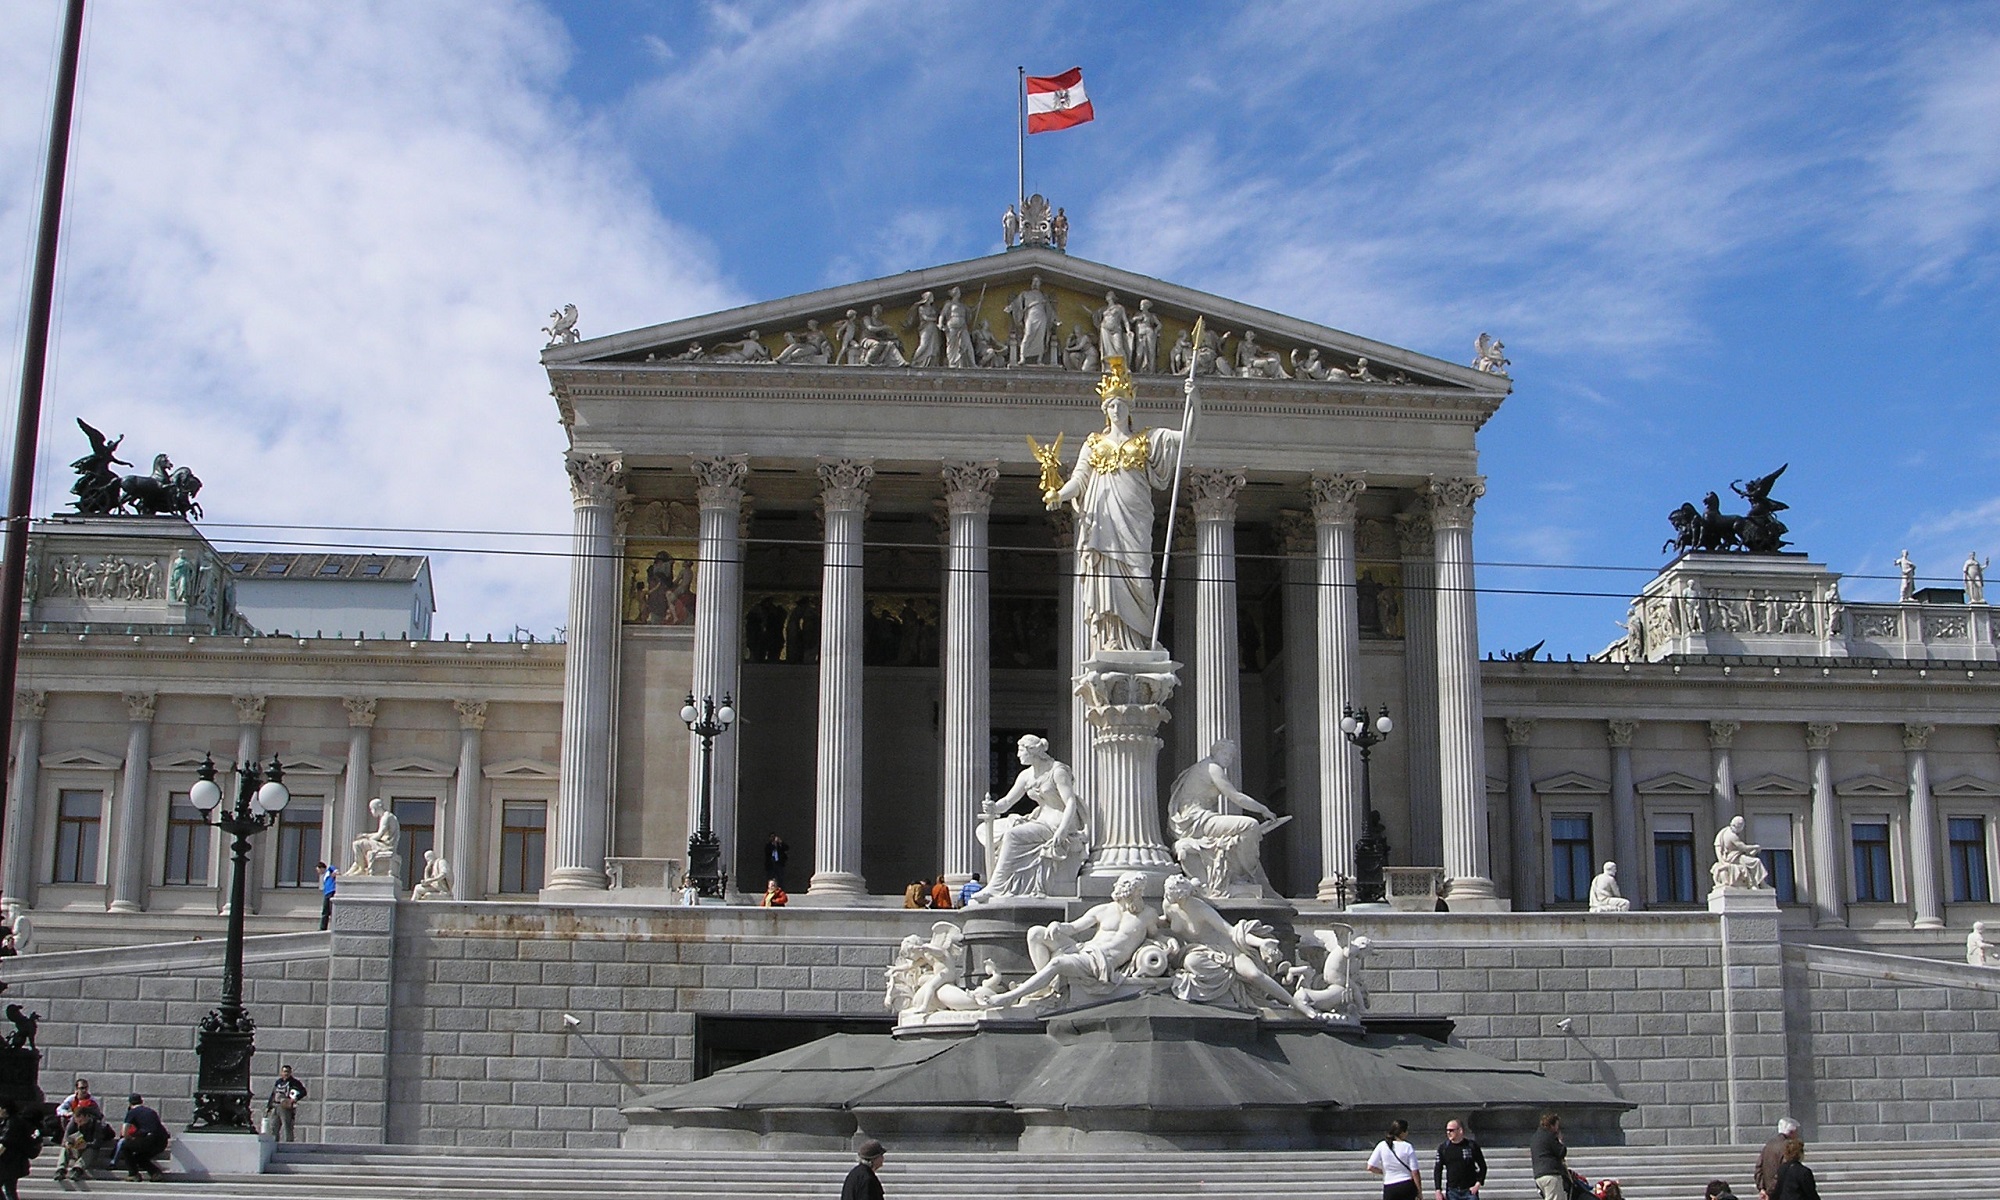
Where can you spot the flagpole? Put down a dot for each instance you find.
(1021, 137)
(1174, 499)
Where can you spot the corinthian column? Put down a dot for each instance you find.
(590, 674)
(968, 493)
(1301, 701)
(354, 796)
(1218, 698)
(128, 870)
(465, 800)
(1521, 821)
(1828, 898)
(1461, 732)
(1624, 802)
(718, 637)
(30, 707)
(1419, 721)
(1722, 769)
(837, 812)
(1925, 896)
(1333, 506)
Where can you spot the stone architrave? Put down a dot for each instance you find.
(718, 639)
(1334, 500)
(30, 706)
(590, 675)
(1925, 895)
(128, 864)
(354, 794)
(1418, 724)
(1624, 794)
(968, 495)
(1829, 909)
(1522, 819)
(465, 806)
(837, 808)
(1218, 701)
(1722, 766)
(1461, 726)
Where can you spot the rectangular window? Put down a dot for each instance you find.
(1968, 861)
(1773, 832)
(524, 826)
(187, 843)
(1872, 884)
(1571, 851)
(77, 817)
(1673, 866)
(299, 831)
(418, 819)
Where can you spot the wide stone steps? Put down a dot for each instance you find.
(1888, 1171)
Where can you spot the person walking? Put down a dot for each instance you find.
(145, 1140)
(864, 1181)
(1461, 1165)
(1548, 1155)
(20, 1141)
(1395, 1160)
(1795, 1179)
(282, 1109)
(327, 884)
(1772, 1157)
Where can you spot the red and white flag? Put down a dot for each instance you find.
(1057, 101)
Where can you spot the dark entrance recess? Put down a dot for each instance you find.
(721, 1042)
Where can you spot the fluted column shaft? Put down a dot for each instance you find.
(1333, 507)
(590, 675)
(1418, 543)
(1722, 769)
(128, 866)
(1926, 895)
(18, 886)
(837, 800)
(1218, 703)
(718, 639)
(465, 859)
(1301, 701)
(249, 748)
(360, 767)
(1829, 898)
(1624, 806)
(1522, 820)
(1461, 735)
(1074, 651)
(968, 723)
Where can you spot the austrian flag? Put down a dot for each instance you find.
(1057, 101)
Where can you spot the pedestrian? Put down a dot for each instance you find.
(20, 1141)
(864, 1181)
(774, 895)
(1773, 1157)
(689, 895)
(1609, 1189)
(1795, 1178)
(1548, 1154)
(1461, 1165)
(327, 885)
(82, 1129)
(1719, 1189)
(282, 1109)
(972, 888)
(915, 895)
(145, 1140)
(1395, 1160)
(940, 894)
(776, 854)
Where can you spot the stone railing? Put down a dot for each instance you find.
(1414, 889)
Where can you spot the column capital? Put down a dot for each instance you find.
(1212, 492)
(30, 704)
(1619, 732)
(968, 486)
(1295, 533)
(1722, 734)
(595, 478)
(843, 483)
(471, 713)
(1452, 498)
(140, 706)
(249, 709)
(1520, 730)
(719, 479)
(1414, 535)
(1819, 734)
(1916, 737)
(360, 711)
(1333, 497)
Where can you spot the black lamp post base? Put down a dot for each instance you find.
(222, 1081)
(705, 863)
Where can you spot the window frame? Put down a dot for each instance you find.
(502, 802)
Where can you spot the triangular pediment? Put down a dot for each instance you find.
(1572, 783)
(187, 760)
(1772, 785)
(756, 337)
(411, 764)
(1870, 785)
(83, 759)
(1674, 783)
(522, 769)
(1967, 785)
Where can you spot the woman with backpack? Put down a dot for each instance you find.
(1395, 1160)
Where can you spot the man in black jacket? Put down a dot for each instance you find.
(145, 1140)
(862, 1182)
(1547, 1152)
(1461, 1165)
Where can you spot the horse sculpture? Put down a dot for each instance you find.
(168, 491)
(1709, 528)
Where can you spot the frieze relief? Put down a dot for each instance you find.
(111, 577)
(1946, 625)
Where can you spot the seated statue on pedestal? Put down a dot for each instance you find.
(1736, 861)
(375, 852)
(1116, 932)
(436, 883)
(1220, 848)
(1222, 959)
(1604, 893)
(1040, 853)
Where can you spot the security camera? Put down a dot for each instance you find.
(571, 1020)
(1563, 1024)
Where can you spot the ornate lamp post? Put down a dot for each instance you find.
(707, 722)
(227, 1039)
(1371, 852)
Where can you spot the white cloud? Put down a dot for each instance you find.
(1937, 188)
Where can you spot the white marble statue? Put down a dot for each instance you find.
(1145, 339)
(928, 977)
(1034, 318)
(954, 321)
(1114, 329)
(1335, 991)
(923, 317)
(1216, 844)
(1010, 226)
(562, 326)
(1490, 355)
(1112, 488)
(1736, 861)
(1604, 893)
(807, 347)
(1907, 569)
(1112, 934)
(1040, 853)
(375, 852)
(1975, 579)
(19, 925)
(436, 883)
(1980, 949)
(1257, 362)
(1220, 958)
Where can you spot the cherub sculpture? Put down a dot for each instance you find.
(1334, 991)
(928, 977)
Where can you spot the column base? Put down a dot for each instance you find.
(123, 906)
(836, 885)
(577, 879)
(1328, 891)
(1928, 923)
(1473, 893)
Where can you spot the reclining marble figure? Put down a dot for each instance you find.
(1115, 932)
(928, 977)
(1221, 959)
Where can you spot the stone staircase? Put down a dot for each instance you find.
(1886, 1171)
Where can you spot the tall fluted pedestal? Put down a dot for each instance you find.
(718, 643)
(968, 490)
(837, 801)
(583, 795)
(1125, 696)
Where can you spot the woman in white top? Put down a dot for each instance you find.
(1395, 1160)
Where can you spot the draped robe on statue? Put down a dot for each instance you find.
(1114, 534)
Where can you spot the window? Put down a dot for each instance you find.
(77, 816)
(332, 568)
(1673, 863)
(1968, 861)
(418, 818)
(523, 844)
(1773, 832)
(277, 568)
(372, 569)
(300, 827)
(1571, 852)
(1871, 862)
(187, 843)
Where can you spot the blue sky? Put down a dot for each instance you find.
(1715, 237)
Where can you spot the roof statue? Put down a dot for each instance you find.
(169, 491)
(96, 486)
(1489, 354)
(1709, 528)
(562, 326)
(1010, 227)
